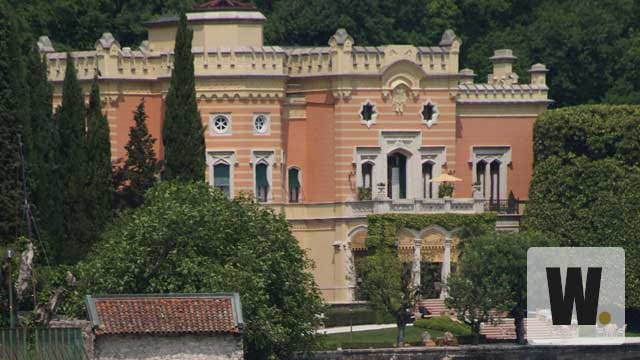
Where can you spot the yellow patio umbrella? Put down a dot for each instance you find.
(444, 177)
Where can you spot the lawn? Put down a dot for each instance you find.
(383, 338)
(632, 333)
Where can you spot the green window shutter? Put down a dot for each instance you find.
(261, 175)
(294, 182)
(221, 175)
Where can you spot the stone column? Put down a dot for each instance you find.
(446, 266)
(415, 270)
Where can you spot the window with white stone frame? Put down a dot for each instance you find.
(429, 113)
(433, 159)
(367, 166)
(263, 163)
(489, 171)
(261, 123)
(368, 113)
(427, 178)
(220, 124)
(220, 165)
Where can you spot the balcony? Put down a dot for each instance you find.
(360, 209)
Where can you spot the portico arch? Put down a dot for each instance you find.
(356, 253)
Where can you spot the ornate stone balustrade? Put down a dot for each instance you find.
(358, 209)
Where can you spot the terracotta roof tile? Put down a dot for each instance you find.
(162, 314)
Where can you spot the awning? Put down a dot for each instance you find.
(444, 177)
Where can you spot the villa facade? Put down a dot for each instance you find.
(328, 135)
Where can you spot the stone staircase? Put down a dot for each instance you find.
(502, 329)
(436, 307)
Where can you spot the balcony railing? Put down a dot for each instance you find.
(509, 207)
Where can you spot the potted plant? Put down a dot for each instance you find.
(364, 193)
(445, 190)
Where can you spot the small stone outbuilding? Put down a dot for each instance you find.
(166, 326)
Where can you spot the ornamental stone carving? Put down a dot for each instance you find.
(399, 99)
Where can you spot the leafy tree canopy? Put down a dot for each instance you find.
(188, 238)
(492, 276)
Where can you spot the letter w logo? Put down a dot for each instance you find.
(586, 300)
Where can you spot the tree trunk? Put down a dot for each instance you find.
(475, 329)
(400, 338)
(518, 320)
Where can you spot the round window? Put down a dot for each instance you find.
(260, 123)
(221, 124)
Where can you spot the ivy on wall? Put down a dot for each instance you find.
(382, 229)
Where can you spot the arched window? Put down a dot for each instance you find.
(294, 185)
(221, 178)
(367, 182)
(359, 255)
(427, 176)
(481, 177)
(262, 182)
(495, 182)
(397, 176)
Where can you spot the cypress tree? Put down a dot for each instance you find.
(12, 121)
(99, 159)
(77, 221)
(141, 167)
(46, 191)
(182, 132)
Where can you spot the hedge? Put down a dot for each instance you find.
(443, 323)
(585, 189)
(594, 131)
(339, 315)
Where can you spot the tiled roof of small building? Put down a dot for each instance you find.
(165, 313)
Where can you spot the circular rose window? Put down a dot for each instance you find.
(260, 123)
(221, 124)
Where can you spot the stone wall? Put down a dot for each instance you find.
(181, 347)
(489, 352)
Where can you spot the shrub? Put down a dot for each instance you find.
(364, 193)
(445, 189)
(443, 323)
(355, 315)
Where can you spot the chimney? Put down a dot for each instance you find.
(538, 75)
(503, 74)
(466, 76)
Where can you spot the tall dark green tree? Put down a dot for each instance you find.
(99, 159)
(74, 165)
(12, 121)
(183, 133)
(141, 166)
(44, 165)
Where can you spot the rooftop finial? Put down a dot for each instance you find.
(340, 37)
(448, 37)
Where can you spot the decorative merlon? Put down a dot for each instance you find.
(448, 38)
(106, 41)
(44, 45)
(340, 38)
